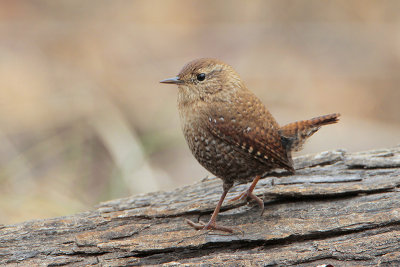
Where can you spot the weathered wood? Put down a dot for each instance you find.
(340, 209)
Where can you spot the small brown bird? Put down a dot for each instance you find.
(231, 133)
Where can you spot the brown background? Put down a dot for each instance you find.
(83, 118)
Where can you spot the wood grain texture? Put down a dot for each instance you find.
(340, 209)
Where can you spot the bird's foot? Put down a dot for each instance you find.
(211, 225)
(243, 195)
(250, 195)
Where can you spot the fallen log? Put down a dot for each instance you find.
(340, 209)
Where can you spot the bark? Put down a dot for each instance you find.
(340, 209)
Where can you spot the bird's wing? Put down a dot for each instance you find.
(262, 142)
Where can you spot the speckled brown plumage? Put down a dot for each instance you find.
(229, 130)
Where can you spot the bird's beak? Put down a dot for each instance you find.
(174, 80)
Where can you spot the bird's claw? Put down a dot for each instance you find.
(249, 195)
(209, 226)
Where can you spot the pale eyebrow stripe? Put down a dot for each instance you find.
(217, 68)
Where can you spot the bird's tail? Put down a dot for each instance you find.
(296, 133)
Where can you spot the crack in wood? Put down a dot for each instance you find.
(161, 256)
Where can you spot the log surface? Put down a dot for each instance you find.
(340, 209)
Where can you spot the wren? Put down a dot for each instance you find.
(230, 131)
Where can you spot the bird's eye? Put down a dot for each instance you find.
(201, 77)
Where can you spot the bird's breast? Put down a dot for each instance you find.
(219, 157)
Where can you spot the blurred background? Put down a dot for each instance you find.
(83, 118)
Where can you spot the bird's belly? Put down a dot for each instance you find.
(223, 159)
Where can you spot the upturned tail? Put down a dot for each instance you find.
(296, 133)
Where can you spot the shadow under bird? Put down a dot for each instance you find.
(230, 131)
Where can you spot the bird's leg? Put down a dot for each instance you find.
(248, 194)
(212, 225)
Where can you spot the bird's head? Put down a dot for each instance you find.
(204, 79)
